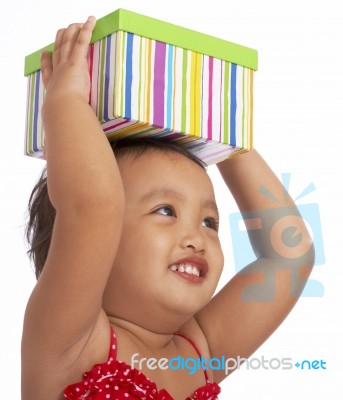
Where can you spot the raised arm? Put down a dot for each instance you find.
(85, 188)
(256, 300)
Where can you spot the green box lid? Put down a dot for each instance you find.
(141, 25)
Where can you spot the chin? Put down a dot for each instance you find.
(186, 305)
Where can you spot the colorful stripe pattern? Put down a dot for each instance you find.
(142, 87)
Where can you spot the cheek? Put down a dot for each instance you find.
(142, 242)
(218, 257)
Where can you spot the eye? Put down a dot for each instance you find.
(166, 210)
(211, 223)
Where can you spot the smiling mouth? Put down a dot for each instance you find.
(187, 268)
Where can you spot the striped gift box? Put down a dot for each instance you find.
(153, 79)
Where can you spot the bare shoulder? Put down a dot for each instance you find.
(44, 377)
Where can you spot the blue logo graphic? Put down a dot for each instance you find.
(243, 253)
(307, 364)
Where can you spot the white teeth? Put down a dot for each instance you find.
(188, 268)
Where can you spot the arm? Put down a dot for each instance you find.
(256, 300)
(86, 191)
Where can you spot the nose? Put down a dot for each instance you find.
(193, 239)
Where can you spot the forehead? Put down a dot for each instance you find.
(158, 172)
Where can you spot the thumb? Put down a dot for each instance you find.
(46, 67)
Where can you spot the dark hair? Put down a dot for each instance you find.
(41, 213)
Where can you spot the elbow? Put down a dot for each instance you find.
(300, 256)
(301, 259)
(307, 261)
(292, 243)
(304, 253)
(311, 255)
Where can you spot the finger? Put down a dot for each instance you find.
(81, 47)
(56, 55)
(46, 67)
(69, 39)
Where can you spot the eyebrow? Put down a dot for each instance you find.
(167, 192)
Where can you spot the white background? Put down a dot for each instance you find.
(298, 129)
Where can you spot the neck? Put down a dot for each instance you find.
(142, 334)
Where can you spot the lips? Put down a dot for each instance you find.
(191, 268)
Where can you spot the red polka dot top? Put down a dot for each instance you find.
(117, 380)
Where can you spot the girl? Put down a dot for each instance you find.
(127, 255)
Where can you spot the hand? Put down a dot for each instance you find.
(66, 72)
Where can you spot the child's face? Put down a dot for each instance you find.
(169, 216)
